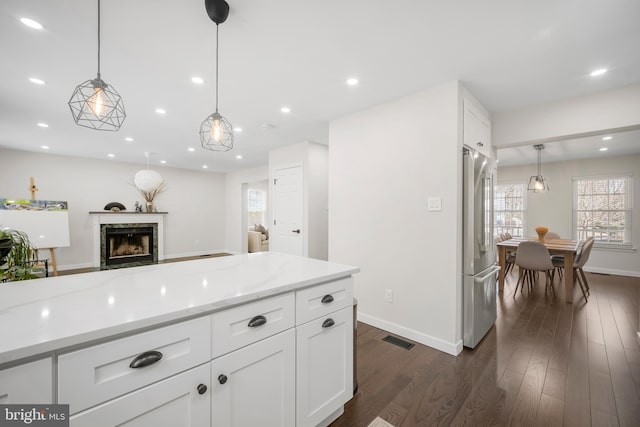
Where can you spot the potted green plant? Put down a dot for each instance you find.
(17, 257)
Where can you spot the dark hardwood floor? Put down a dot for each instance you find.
(545, 363)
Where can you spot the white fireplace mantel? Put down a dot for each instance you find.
(107, 217)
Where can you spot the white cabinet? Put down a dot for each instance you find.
(277, 361)
(255, 385)
(324, 361)
(101, 372)
(242, 325)
(476, 126)
(320, 300)
(180, 401)
(27, 383)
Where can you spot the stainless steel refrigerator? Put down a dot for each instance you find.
(478, 247)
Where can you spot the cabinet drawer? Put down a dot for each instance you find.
(317, 301)
(28, 383)
(231, 330)
(99, 373)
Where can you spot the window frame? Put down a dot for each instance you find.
(627, 243)
(523, 226)
(257, 200)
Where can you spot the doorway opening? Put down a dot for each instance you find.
(256, 215)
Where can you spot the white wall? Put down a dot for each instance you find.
(195, 200)
(313, 157)
(318, 200)
(614, 109)
(384, 163)
(554, 208)
(235, 205)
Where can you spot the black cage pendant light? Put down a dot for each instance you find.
(216, 133)
(537, 184)
(95, 104)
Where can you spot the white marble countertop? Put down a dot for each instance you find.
(39, 316)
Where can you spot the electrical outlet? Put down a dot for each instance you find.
(388, 295)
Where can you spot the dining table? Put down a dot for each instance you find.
(565, 247)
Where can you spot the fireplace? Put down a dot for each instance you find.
(128, 245)
(104, 220)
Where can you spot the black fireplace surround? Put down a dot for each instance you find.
(128, 245)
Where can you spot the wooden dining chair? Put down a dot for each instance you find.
(532, 258)
(578, 263)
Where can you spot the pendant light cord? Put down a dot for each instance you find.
(217, 47)
(98, 38)
(539, 162)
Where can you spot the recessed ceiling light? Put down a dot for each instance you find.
(239, 157)
(111, 155)
(163, 161)
(204, 166)
(191, 149)
(604, 149)
(352, 81)
(598, 72)
(44, 147)
(197, 80)
(128, 139)
(237, 129)
(285, 109)
(31, 23)
(161, 111)
(36, 81)
(43, 125)
(607, 138)
(497, 161)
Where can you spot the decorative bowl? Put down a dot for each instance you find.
(541, 232)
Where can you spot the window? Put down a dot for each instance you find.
(602, 209)
(257, 206)
(509, 207)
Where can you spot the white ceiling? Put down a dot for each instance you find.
(297, 53)
(617, 144)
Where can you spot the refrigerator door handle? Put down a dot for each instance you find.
(494, 270)
(485, 213)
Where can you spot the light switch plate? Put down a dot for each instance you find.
(434, 204)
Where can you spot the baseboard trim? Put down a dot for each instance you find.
(72, 266)
(612, 271)
(428, 340)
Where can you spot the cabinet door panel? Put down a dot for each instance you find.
(28, 383)
(173, 402)
(259, 388)
(324, 366)
(476, 128)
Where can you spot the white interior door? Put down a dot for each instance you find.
(288, 206)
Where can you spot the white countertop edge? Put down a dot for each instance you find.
(32, 352)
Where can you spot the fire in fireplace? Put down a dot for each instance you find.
(128, 245)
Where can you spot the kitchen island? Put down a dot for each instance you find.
(253, 339)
